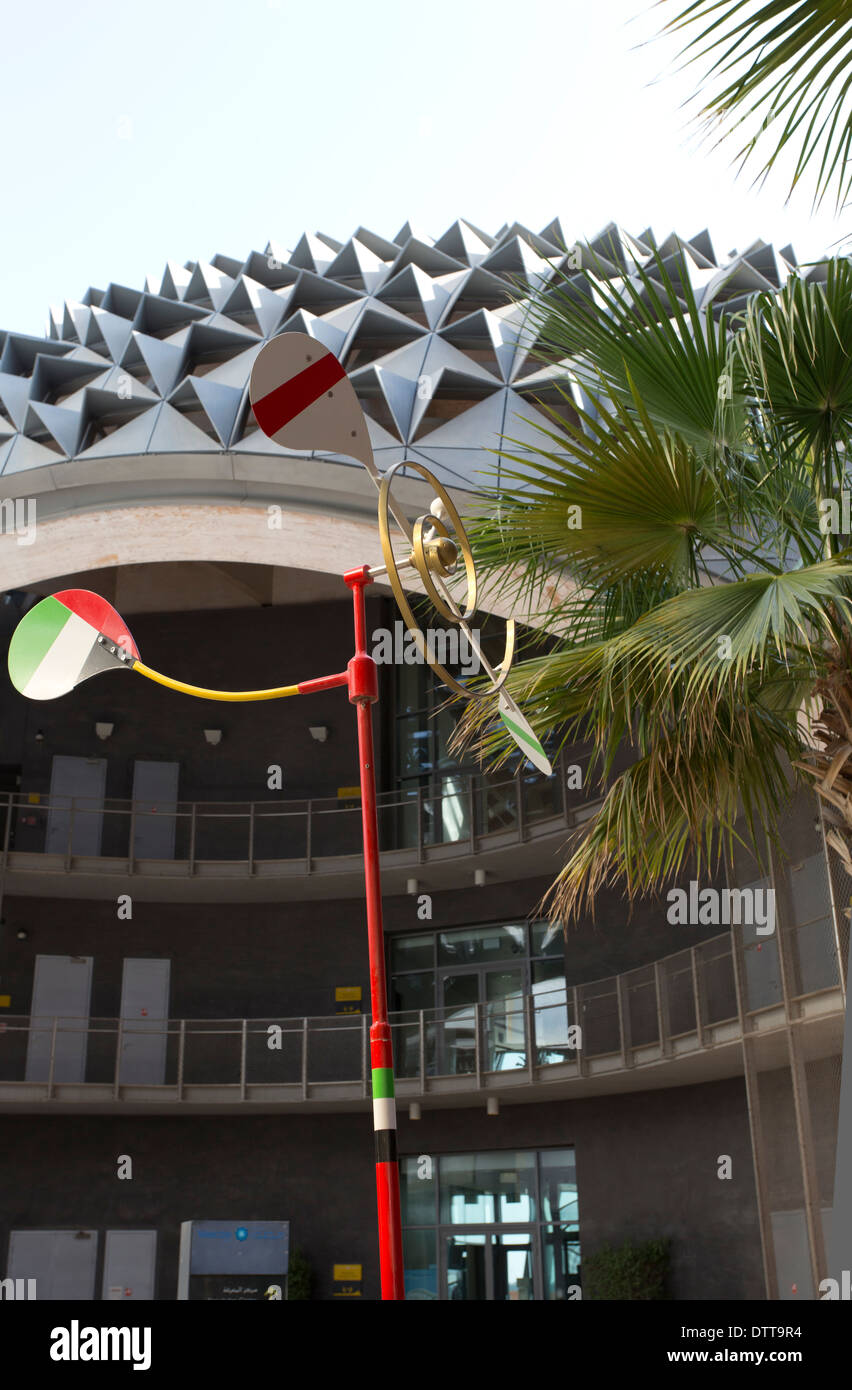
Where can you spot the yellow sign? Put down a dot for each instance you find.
(347, 1272)
(343, 992)
(348, 793)
(34, 798)
(5, 1001)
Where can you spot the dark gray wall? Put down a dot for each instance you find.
(646, 1167)
(260, 959)
(232, 649)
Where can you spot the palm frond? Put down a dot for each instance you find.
(783, 65)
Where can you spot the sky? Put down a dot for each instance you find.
(134, 135)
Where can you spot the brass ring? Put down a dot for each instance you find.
(444, 605)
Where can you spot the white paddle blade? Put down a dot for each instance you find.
(523, 734)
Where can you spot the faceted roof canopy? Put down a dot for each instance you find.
(429, 330)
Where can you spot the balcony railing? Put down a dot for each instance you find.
(467, 808)
(687, 1001)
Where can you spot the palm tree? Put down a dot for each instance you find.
(706, 596)
(781, 81)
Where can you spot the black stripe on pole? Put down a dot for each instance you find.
(385, 1146)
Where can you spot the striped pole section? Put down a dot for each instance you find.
(363, 692)
(387, 1163)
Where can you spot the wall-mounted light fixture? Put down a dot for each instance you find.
(493, 1106)
(39, 736)
(414, 1110)
(319, 732)
(479, 878)
(411, 886)
(103, 729)
(213, 736)
(21, 934)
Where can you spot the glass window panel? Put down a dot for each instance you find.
(419, 1250)
(551, 1011)
(412, 952)
(445, 723)
(505, 1020)
(412, 689)
(466, 1256)
(458, 1023)
(561, 1259)
(468, 945)
(418, 1185)
(415, 746)
(547, 940)
(548, 977)
(477, 1188)
(513, 1268)
(412, 992)
(455, 810)
(558, 1185)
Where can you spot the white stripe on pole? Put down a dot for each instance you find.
(384, 1113)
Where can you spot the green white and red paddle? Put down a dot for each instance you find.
(64, 640)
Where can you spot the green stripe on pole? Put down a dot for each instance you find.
(382, 1083)
(33, 639)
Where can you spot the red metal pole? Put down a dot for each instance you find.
(363, 692)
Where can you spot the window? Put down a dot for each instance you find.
(500, 1226)
(434, 784)
(478, 977)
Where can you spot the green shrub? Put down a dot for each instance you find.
(628, 1271)
(300, 1279)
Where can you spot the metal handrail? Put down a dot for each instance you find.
(471, 1040)
(27, 811)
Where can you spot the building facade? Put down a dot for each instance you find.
(184, 983)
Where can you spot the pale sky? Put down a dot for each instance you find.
(134, 135)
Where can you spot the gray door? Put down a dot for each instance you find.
(144, 1020)
(130, 1259)
(76, 805)
(155, 787)
(61, 990)
(61, 1262)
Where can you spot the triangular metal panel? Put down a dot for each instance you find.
(15, 395)
(64, 425)
(132, 438)
(463, 243)
(114, 330)
(21, 454)
(400, 393)
(163, 360)
(413, 291)
(267, 307)
(172, 434)
(219, 403)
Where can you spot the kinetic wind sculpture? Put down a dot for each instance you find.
(303, 399)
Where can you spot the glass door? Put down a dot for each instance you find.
(458, 994)
(489, 1266)
(500, 989)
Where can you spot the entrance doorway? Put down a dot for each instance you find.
(490, 1264)
(500, 990)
